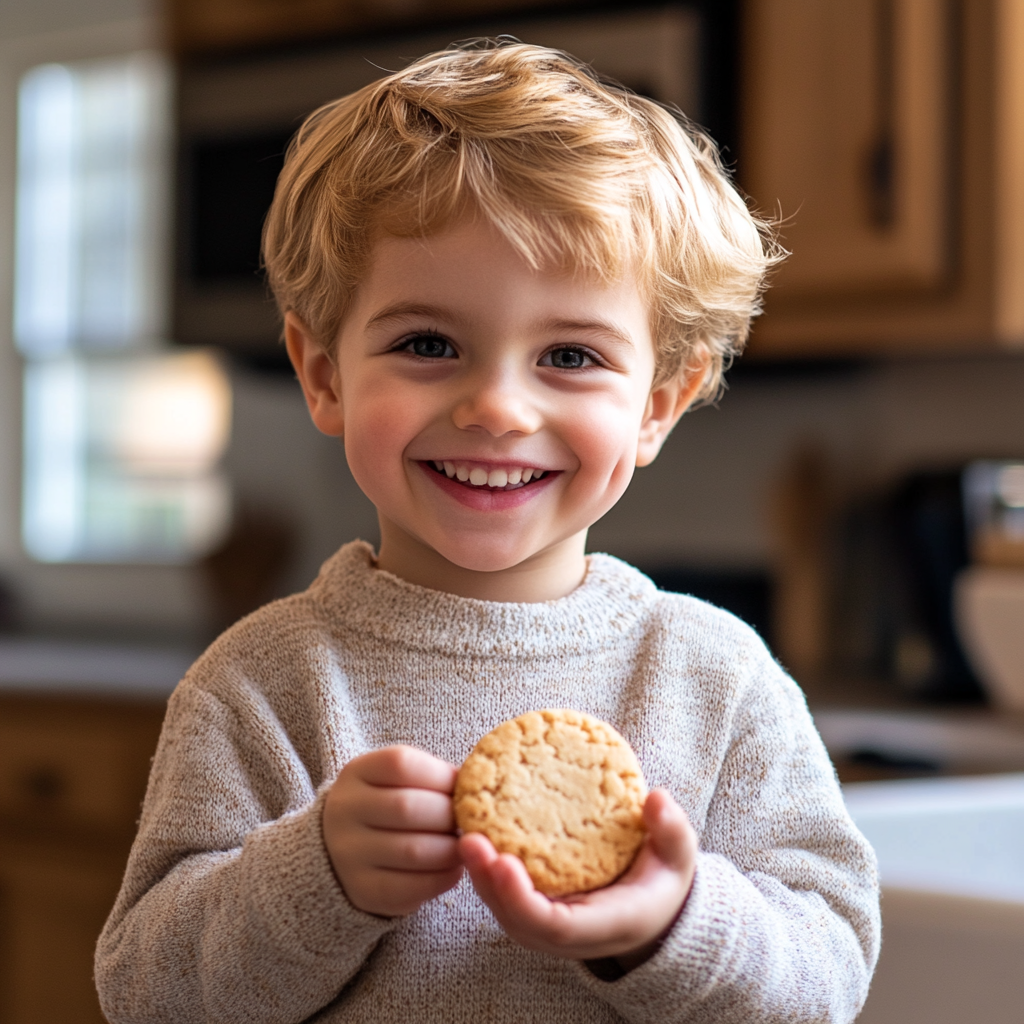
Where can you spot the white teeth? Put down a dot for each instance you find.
(479, 477)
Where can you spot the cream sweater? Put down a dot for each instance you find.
(229, 909)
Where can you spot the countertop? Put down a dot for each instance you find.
(84, 668)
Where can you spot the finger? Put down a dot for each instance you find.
(520, 901)
(412, 851)
(393, 893)
(503, 883)
(479, 856)
(578, 931)
(405, 766)
(416, 810)
(670, 834)
(477, 850)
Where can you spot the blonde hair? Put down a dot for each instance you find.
(574, 171)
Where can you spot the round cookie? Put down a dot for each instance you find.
(562, 791)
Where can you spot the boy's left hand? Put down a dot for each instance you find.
(625, 920)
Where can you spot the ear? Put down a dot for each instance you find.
(318, 375)
(666, 403)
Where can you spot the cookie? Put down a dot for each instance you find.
(562, 791)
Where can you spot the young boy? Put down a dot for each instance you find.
(502, 283)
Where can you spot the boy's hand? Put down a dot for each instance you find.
(390, 832)
(626, 920)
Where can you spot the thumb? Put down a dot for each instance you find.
(669, 831)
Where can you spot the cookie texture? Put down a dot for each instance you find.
(562, 791)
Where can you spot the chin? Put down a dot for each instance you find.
(485, 561)
(483, 557)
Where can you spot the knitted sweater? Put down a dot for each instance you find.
(229, 910)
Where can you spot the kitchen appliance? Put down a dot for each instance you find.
(899, 554)
(990, 617)
(989, 596)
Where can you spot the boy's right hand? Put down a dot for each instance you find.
(390, 830)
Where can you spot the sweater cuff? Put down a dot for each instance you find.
(695, 957)
(295, 893)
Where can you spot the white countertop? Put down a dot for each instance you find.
(956, 836)
(60, 666)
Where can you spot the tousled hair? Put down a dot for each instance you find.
(576, 172)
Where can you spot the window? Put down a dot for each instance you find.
(123, 439)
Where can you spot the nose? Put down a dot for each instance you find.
(497, 403)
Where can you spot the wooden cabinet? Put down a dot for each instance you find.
(199, 26)
(889, 135)
(72, 776)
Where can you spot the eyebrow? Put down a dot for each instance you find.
(411, 310)
(590, 326)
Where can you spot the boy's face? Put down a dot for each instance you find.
(490, 412)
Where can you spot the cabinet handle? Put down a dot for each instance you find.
(43, 784)
(880, 163)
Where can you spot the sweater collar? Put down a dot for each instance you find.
(609, 602)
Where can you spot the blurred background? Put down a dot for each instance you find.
(857, 495)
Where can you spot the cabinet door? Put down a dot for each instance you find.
(846, 135)
(72, 775)
(52, 911)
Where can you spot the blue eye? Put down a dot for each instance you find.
(430, 346)
(567, 359)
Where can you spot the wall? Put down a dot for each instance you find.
(280, 463)
(21, 18)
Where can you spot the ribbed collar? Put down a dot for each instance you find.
(606, 605)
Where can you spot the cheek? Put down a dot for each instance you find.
(377, 432)
(605, 437)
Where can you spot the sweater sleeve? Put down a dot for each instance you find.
(229, 909)
(782, 923)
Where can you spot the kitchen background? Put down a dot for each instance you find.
(821, 498)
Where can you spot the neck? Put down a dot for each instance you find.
(545, 576)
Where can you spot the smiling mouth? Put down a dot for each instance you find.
(502, 478)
